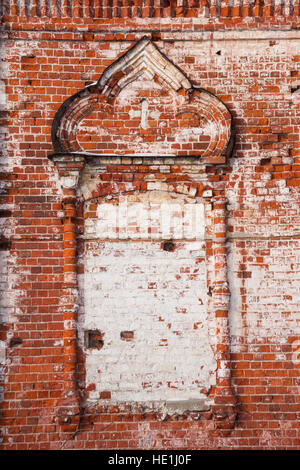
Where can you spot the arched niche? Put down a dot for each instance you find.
(96, 173)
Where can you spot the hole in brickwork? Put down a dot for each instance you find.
(168, 246)
(156, 36)
(94, 339)
(265, 161)
(5, 244)
(5, 213)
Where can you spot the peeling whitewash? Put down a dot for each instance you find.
(161, 298)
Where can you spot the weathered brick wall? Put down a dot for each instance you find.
(248, 56)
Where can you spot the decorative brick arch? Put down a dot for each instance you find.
(72, 163)
(145, 59)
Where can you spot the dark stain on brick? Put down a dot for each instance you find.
(265, 161)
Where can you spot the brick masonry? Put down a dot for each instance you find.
(55, 253)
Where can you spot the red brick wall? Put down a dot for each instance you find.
(248, 56)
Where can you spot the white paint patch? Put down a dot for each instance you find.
(161, 298)
(154, 215)
(9, 294)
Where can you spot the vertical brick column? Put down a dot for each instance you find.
(70, 296)
(224, 409)
(69, 168)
